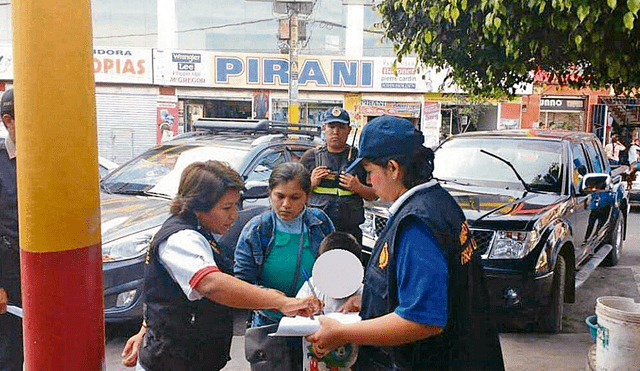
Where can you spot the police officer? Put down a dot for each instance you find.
(424, 303)
(10, 327)
(337, 193)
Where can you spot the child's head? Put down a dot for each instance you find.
(340, 240)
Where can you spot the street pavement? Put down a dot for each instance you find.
(522, 351)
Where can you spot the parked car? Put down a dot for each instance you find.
(544, 208)
(135, 197)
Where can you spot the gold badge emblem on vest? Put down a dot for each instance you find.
(383, 259)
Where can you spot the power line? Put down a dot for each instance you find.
(328, 23)
(189, 29)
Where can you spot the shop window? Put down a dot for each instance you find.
(563, 120)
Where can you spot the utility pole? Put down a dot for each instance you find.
(294, 105)
(293, 15)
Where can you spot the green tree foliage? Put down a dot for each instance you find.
(493, 45)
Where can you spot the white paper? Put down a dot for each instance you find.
(303, 326)
(16, 311)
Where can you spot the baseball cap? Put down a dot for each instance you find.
(6, 103)
(336, 114)
(388, 136)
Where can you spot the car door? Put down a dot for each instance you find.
(601, 201)
(581, 201)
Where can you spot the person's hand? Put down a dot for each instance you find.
(132, 348)
(350, 182)
(319, 173)
(4, 301)
(301, 307)
(327, 338)
(352, 304)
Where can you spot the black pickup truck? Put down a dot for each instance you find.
(545, 210)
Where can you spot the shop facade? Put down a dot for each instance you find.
(145, 95)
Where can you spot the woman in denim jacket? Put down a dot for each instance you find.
(275, 247)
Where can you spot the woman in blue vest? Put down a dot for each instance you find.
(424, 303)
(276, 247)
(187, 319)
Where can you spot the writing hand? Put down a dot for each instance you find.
(301, 307)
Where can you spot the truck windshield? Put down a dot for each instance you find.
(537, 161)
(158, 170)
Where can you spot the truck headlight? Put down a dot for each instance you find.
(128, 247)
(368, 227)
(512, 245)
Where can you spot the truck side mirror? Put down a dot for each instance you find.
(595, 182)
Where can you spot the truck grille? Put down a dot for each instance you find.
(483, 237)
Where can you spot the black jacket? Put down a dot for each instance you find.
(469, 341)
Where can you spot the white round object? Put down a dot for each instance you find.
(338, 273)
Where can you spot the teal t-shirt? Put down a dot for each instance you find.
(279, 267)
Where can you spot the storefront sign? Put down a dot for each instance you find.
(111, 65)
(561, 104)
(123, 65)
(379, 108)
(181, 68)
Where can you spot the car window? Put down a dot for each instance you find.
(580, 166)
(596, 158)
(264, 165)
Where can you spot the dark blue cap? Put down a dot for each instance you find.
(388, 136)
(6, 103)
(336, 114)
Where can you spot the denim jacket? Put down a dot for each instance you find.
(258, 235)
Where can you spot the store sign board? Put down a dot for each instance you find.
(122, 65)
(111, 65)
(182, 68)
(378, 108)
(271, 71)
(561, 104)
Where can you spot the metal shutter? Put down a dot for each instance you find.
(126, 124)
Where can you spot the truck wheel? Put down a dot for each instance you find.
(616, 240)
(551, 316)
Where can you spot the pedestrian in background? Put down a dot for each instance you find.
(613, 150)
(424, 304)
(273, 251)
(337, 193)
(187, 298)
(11, 353)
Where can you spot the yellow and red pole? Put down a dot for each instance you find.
(58, 198)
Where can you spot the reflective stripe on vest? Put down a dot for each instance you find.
(332, 191)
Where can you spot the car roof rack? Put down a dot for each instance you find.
(250, 126)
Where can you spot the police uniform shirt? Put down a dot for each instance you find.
(188, 258)
(421, 270)
(335, 160)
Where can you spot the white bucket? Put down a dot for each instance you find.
(618, 342)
